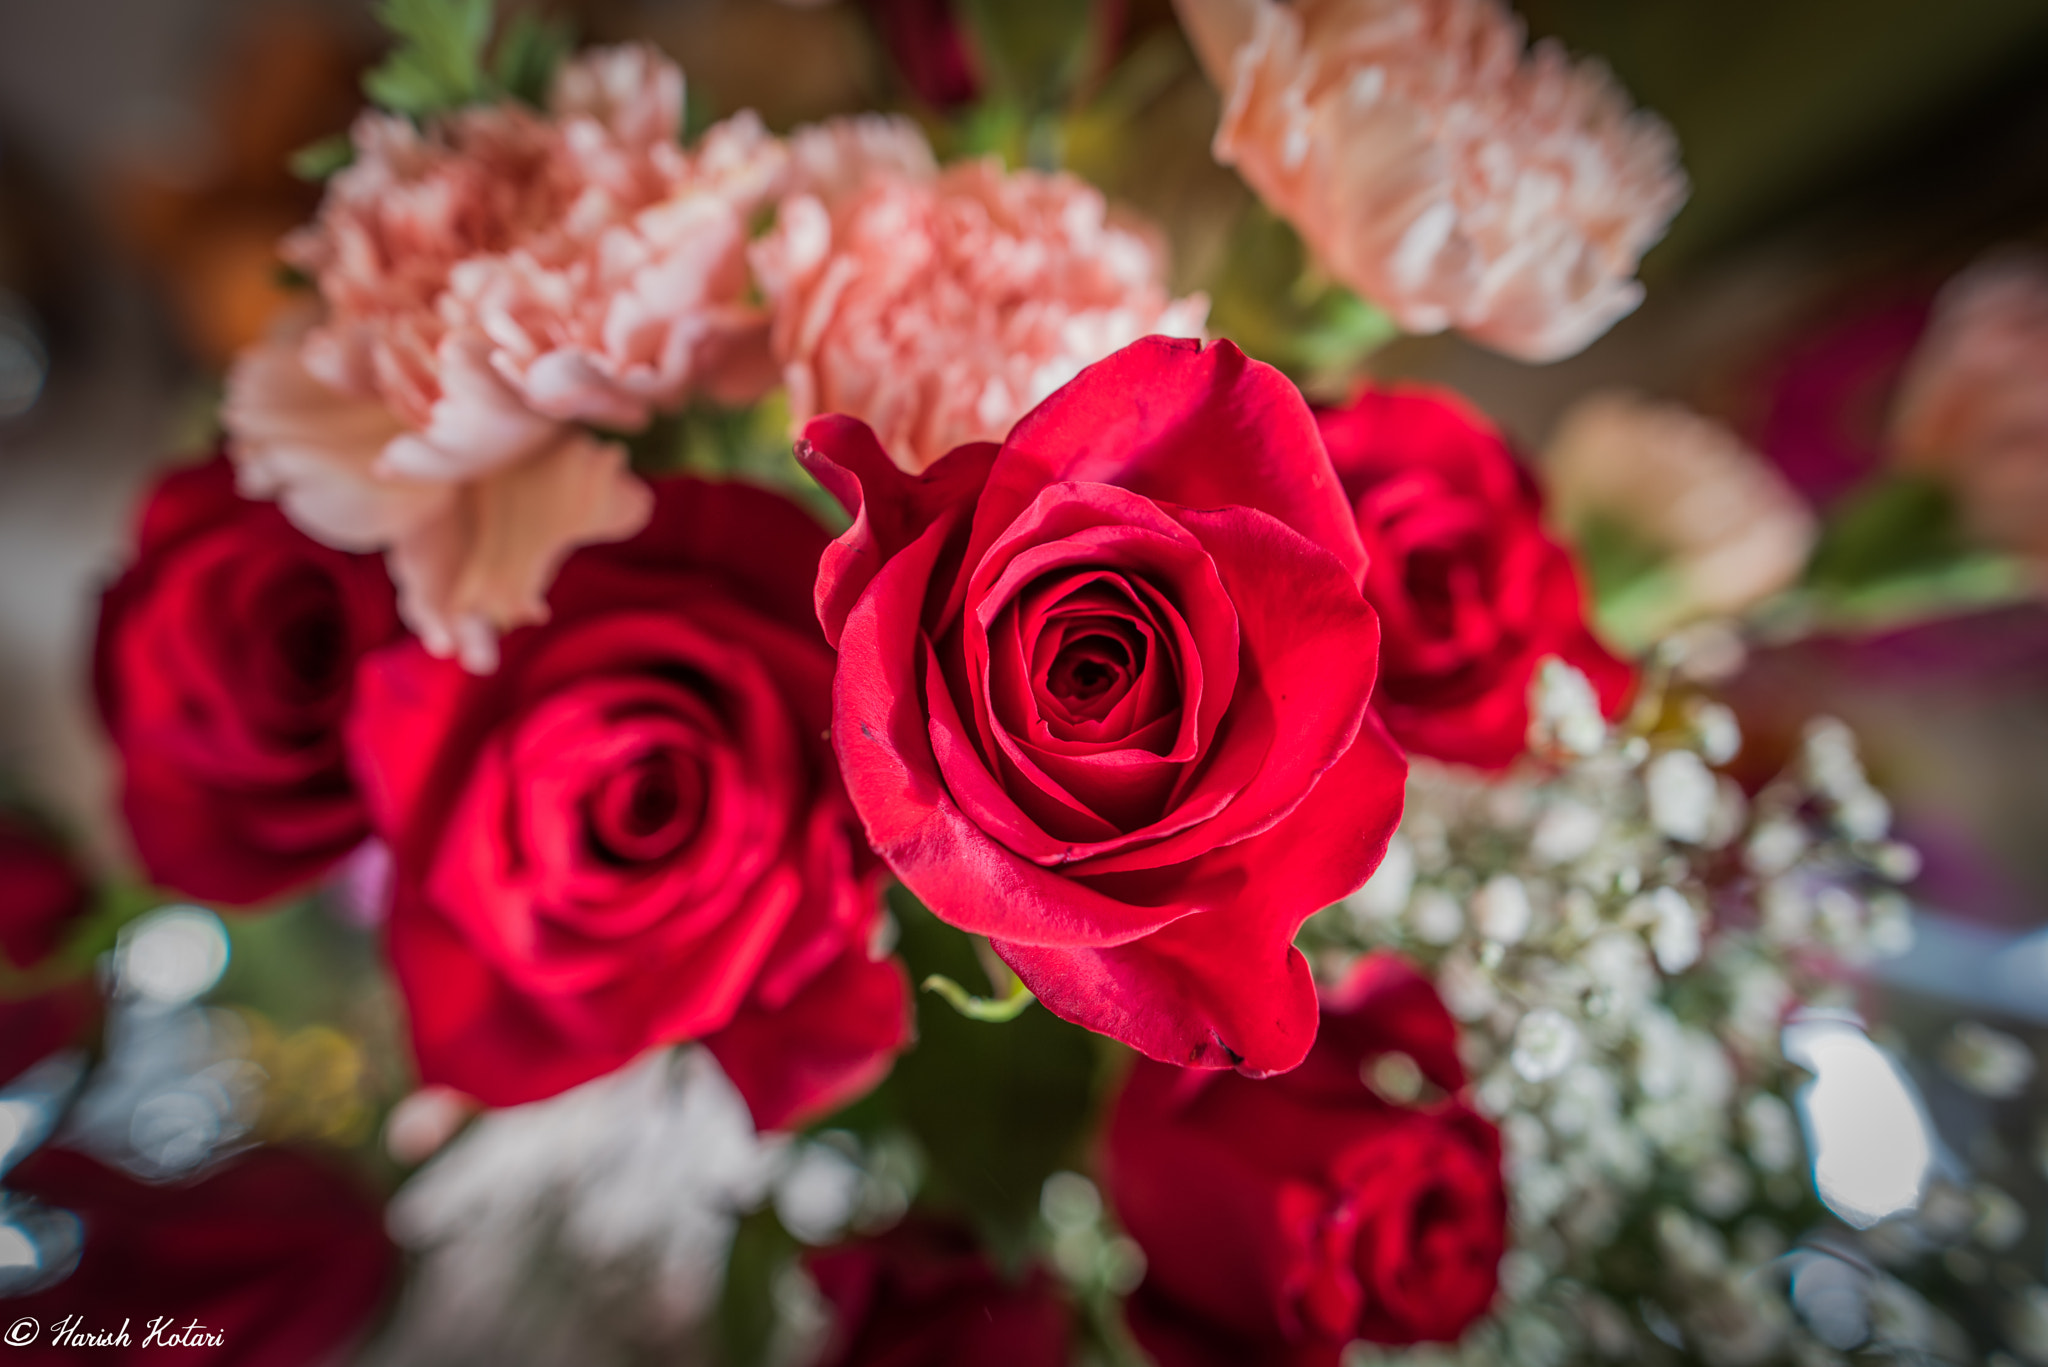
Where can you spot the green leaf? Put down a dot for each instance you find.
(1890, 526)
(316, 161)
(1271, 300)
(994, 1112)
(747, 1313)
(528, 53)
(438, 63)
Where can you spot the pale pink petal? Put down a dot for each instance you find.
(479, 425)
(1734, 530)
(638, 315)
(315, 450)
(1439, 168)
(939, 308)
(485, 567)
(1973, 408)
(633, 91)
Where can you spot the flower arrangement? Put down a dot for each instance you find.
(675, 605)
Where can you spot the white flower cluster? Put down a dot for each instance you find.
(1622, 933)
(595, 1227)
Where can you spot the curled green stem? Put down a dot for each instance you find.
(994, 1009)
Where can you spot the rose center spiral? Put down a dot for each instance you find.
(648, 809)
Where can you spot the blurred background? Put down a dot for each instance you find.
(1847, 157)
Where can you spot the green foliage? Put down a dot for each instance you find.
(439, 61)
(1035, 55)
(1892, 525)
(995, 1108)
(316, 161)
(1894, 550)
(528, 52)
(1632, 582)
(1272, 301)
(751, 444)
(444, 57)
(747, 1312)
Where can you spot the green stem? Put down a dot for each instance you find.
(992, 1009)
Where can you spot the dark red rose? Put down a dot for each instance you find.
(1283, 1218)
(633, 833)
(42, 893)
(225, 663)
(1103, 695)
(33, 1028)
(1472, 593)
(928, 43)
(923, 1295)
(281, 1254)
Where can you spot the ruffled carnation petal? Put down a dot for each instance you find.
(1439, 169)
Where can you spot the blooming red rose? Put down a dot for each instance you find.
(1103, 694)
(923, 1295)
(633, 833)
(225, 663)
(1283, 1218)
(42, 893)
(1472, 593)
(280, 1254)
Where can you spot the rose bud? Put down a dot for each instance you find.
(923, 1295)
(42, 892)
(1472, 592)
(224, 665)
(1283, 1218)
(633, 833)
(1103, 694)
(277, 1258)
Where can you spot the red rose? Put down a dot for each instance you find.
(33, 1028)
(224, 665)
(930, 49)
(42, 892)
(923, 1295)
(633, 833)
(1283, 1218)
(1472, 594)
(280, 1254)
(1103, 694)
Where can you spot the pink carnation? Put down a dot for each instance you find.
(1973, 409)
(471, 557)
(1438, 168)
(939, 307)
(490, 280)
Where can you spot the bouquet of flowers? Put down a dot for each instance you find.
(771, 747)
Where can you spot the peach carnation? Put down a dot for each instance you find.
(1973, 408)
(489, 281)
(1734, 531)
(939, 307)
(1438, 168)
(471, 557)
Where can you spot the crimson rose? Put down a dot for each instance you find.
(280, 1254)
(224, 665)
(633, 833)
(1283, 1218)
(1472, 594)
(1103, 694)
(923, 1295)
(33, 1028)
(41, 891)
